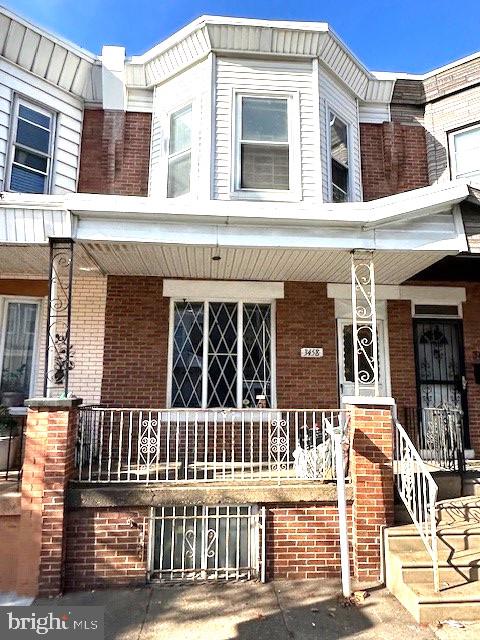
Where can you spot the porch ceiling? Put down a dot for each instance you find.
(316, 265)
(180, 261)
(19, 261)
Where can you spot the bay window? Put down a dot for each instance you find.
(339, 159)
(32, 149)
(263, 144)
(18, 328)
(180, 152)
(465, 153)
(221, 354)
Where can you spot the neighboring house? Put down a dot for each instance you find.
(220, 190)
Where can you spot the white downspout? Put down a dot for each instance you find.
(337, 436)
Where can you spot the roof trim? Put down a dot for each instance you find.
(408, 205)
(245, 36)
(45, 55)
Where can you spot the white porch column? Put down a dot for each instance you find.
(365, 344)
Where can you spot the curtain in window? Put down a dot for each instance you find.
(18, 347)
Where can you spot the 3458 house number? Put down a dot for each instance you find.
(311, 352)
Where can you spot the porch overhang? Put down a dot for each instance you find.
(128, 235)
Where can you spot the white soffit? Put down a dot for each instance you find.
(222, 290)
(45, 55)
(242, 36)
(271, 265)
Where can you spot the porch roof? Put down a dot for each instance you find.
(127, 235)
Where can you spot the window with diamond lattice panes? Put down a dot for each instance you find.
(221, 355)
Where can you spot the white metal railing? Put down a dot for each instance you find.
(184, 445)
(207, 542)
(418, 491)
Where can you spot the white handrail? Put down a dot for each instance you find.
(418, 491)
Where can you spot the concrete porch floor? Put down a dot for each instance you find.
(281, 610)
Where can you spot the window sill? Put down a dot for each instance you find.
(266, 196)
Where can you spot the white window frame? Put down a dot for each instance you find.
(239, 391)
(452, 154)
(293, 193)
(333, 112)
(181, 107)
(31, 104)
(5, 300)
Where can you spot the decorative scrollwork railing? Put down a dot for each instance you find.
(188, 445)
(418, 491)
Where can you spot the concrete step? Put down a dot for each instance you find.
(471, 483)
(405, 538)
(460, 602)
(409, 567)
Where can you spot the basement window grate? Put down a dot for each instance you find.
(195, 543)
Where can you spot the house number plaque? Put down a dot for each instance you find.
(311, 352)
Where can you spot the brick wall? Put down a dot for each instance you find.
(372, 479)
(471, 336)
(87, 333)
(394, 158)
(136, 344)
(48, 465)
(106, 547)
(115, 152)
(306, 317)
(402, 360)
(303, 541)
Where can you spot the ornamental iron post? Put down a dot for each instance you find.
(58, 355)
(365, 345)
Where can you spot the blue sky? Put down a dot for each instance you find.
(388, 35)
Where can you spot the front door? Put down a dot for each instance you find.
(346, 365)
(440, 365)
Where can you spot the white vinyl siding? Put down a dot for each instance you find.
(267, 78)
(336, 98)
(69, 116)
(451, 113)
(193, 87)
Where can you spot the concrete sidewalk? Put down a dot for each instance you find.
(299, 610)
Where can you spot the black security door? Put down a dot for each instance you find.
(440, 365)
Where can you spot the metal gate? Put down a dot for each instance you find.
(207, 543)
(440, 366)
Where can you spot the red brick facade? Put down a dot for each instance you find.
(372, 477)
(136, 345)
(115, 152)
(303, 541)
(48, 466)
(306, 317)
(136, 342)
(394, 158)
(106, 547)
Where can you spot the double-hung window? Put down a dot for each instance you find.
(339, 159)
(221, 354)
(18, 328)
(263, 144)
(180, 152)
(465, 153)
(32, 149)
